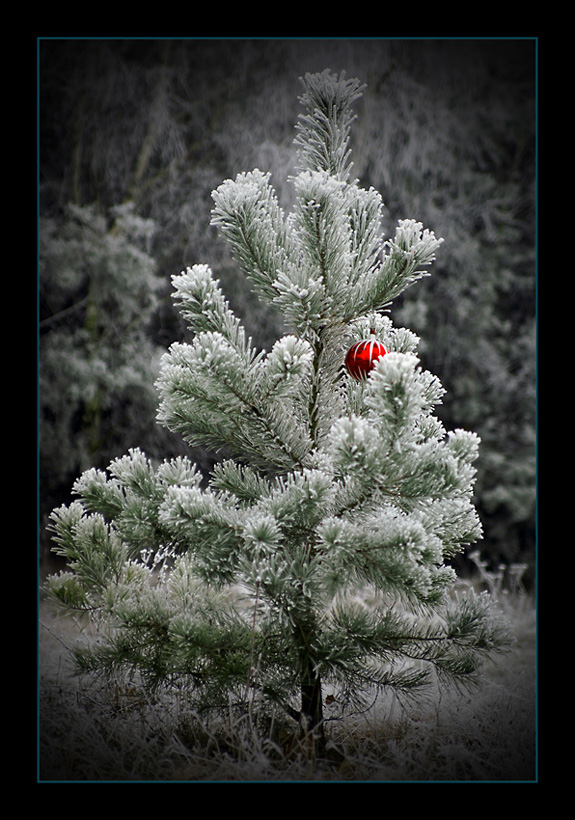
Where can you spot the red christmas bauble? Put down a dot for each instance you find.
(360, 359)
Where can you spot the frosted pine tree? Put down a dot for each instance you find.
(317, 552)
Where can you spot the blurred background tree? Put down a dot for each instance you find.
(134, 136)
(98, 291)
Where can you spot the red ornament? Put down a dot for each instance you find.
(362, 356)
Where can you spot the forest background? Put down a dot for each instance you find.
(135, 134)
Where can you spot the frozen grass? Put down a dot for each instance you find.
(97, 733)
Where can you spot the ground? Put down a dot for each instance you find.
(91, 732)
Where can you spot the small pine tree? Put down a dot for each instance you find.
(249, 587)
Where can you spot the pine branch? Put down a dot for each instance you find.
(324, 131)
(247, 214)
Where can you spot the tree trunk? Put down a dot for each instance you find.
(312, 711)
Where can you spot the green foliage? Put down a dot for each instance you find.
(447, 131)
(323, 133)
(326, 485)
